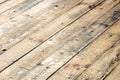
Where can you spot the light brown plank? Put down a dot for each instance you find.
(76, 66)
(33, 60)
(16, 34)
(36, 38)
(9, 4)
(61, 56)
(98, 69)
(18, 55)
(8, 53)
(18, 9)
(115, 75)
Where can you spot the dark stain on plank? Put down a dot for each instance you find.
(99, 3)
(116, 59)
(116, 15)
(56, 5)
(39, 64)
(118, 56)
(87, 66)
(4, 50)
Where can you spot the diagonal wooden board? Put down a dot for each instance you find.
(115, 74)
(9, 4)
(88, 30)
(62, 55)
(20, 46)
(86, 57)
(106, 61)
(17, 9)
(18, 33)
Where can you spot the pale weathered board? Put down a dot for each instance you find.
(59, 39)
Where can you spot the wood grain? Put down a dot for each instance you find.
(59, 39)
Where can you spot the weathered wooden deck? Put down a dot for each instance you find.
(59, 39)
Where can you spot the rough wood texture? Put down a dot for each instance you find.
(59, 39)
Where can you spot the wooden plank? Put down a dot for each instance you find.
(60, 57)
(40, 36)
(18, 9)
(3, 1)
(20, 19)
(9, 4)
(14, 36)
(47, 43)
(107, 60)
(115, 75)
(27, 42)
(92, 52)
